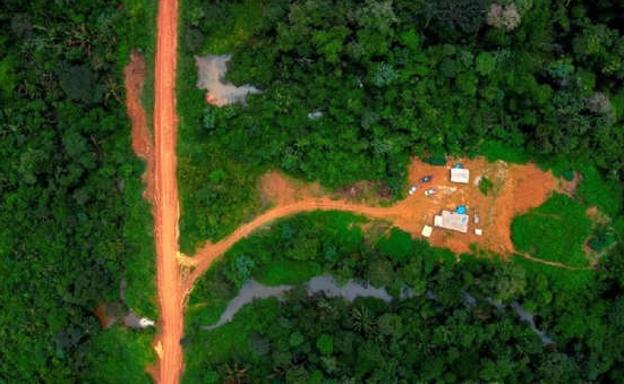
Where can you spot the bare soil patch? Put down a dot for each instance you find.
(142, 141)
(107, 314)
(278, 189)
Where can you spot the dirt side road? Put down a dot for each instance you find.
(166, 197)
(210, 252)
(518, 188)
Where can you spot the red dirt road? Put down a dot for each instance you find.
(166, 198)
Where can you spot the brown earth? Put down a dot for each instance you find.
(169, 366)
(142, 142)
(161, 185)
(105, 318)
(517, 188)
(278, 189)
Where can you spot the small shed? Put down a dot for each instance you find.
(460, 175)
(426, 231)
(452, 220)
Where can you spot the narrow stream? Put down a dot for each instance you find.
(350, 291)
(326, 284)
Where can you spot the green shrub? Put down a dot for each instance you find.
(436, 159)
(485, 185)
(595, 190)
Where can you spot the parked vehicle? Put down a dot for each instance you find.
(426, 179)
(413, 189)
(430, 191)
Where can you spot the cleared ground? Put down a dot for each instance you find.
(515, 189)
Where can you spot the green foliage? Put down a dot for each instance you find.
(485, 185)
(288, 272)
(603, 238)
(240, 270)
(596, 191)
(437, 159)
(398, 245)
(325, 344)
(74, 223)
(7, 76)
(78, 82)
(117, 355)
(496, 150)
(554, 231)
(476, 339)
(386, 95)
(486, 63)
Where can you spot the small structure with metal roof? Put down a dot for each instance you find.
(452, 220)
(460, 175)
(426, 231)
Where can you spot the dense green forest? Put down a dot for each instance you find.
(437, 336)
(392, 79)
(523, 80)
(73, 223)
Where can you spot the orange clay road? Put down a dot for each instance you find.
(169, 366)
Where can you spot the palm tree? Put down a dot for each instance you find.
(235, 374)
(363, 321)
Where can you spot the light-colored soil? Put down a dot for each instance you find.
(210, 73)
(517, 188)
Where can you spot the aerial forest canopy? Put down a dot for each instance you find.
(73, 223)
(349, 91)
(460, 322)
(397, 78)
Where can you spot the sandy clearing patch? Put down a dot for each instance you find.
(278, 189)
(211, 71)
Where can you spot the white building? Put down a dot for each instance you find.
(426, 231)
(460, 175)
(452, 220)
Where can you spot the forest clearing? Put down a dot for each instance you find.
(318, 191)
(516, 189)
(512, 189)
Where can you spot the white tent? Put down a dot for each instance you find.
(460, 175)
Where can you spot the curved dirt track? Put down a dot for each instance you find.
(210, 252)
(169, 366)
(520, 188)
